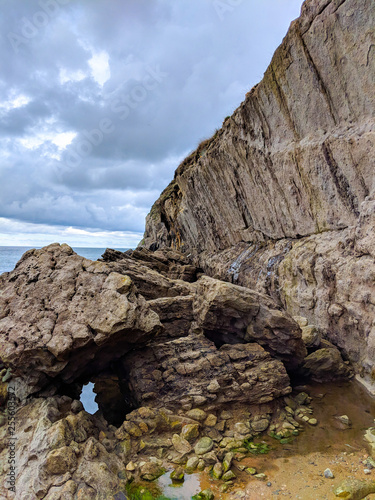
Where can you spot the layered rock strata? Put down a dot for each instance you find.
(281, 198)
(65, 320)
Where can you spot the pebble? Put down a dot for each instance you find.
(367, 471)
(328, 474)
(261, 476)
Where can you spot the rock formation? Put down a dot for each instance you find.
(65, 320)
(191, 345)
(281, 198)
(226, 296)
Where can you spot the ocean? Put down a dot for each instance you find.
(9, 256)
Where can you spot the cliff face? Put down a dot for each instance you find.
(281, 198)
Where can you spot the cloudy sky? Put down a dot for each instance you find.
(101, 99)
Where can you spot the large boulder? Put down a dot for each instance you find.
(192, 371)
(59, 454)
(325, 365)
(231, 314)
(64, 316)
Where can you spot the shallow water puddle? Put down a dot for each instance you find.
(295, 470)
(178, 491)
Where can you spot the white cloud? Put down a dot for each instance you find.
(99, 64)
(67, 76)
(15, 102)
(64, 139)
(16, 233)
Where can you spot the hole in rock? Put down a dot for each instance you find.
(221, 338)
(88, 398)
(113, 396)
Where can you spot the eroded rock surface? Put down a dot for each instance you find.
(61, 453)
(67, 320)
(192, 371)
(63, 315)
(291, 182)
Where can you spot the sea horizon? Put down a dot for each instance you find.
(11, 254)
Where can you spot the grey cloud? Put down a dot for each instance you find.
(203, 63)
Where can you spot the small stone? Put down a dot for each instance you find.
(261, 476)
(251, 470)
(328, 474)
(241, 428)
(130, 467)
(214, 434)
(200, 400)
(228, 476)
(201, 465)
(204, 445)
(288, 425)
(210, 458)
(260, 425)
(205, 495)
(7, 376)
(197, 414)
(227, 461)
(76, 406)
(190, 432)
(302, 398)
(269, 484)
(220, 426)
(217, 471)
(301, 321)
(145, 412)
(226, 415)
(210, 421)
(151, 471)
(213, 386)
(344, 419)
(180, 444)
(61, 461)
(367, 471)
(313, 421)
(311, 336)
(144, 427)
(177, 475)
(192, 464)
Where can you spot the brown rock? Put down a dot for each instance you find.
(188, 364)
(228, 313)
(72, 310)
(325, 364)
(305, 237)
(61, 461)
